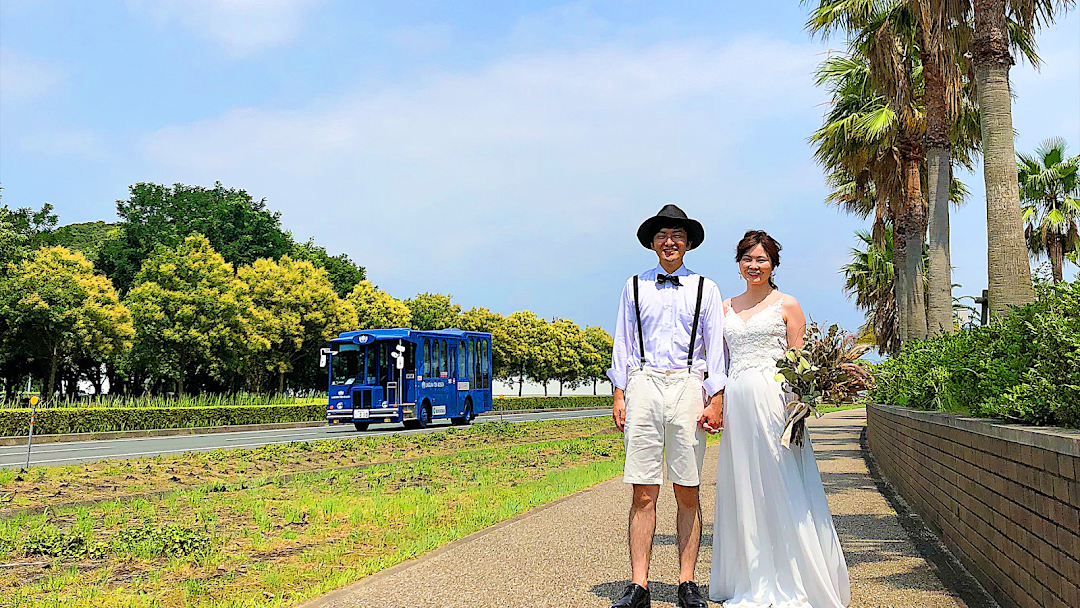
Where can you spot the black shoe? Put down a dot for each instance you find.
(690, 596)
(636, 596)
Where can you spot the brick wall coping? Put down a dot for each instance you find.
(1052, 438)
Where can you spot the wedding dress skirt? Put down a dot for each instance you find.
(774, 544)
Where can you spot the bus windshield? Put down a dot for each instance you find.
(347, 364)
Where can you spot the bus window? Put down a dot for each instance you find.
(461, 360)
(410, 358)
(487, 364)
(384, 363)
(371, 378)
(427, 358)
(347, 364)
(474, 363)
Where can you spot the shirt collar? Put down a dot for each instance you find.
(682, 271)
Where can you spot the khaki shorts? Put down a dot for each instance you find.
(662, 408)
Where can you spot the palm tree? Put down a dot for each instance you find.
(1049, 187)
(1009, 272)
(869, 277)
(884, 33)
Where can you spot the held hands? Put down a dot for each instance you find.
(712, 416)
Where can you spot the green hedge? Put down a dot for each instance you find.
(1024, 367)
(16, 422)
(551, 403)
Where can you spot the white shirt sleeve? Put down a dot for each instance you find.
(624, 345)
(712, 332)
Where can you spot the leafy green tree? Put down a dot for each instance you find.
(238, 227)
(376, 309)
(433, 311)
(597, 365)
(1050, 191)
(482, 319)
(297, 307)
(192, 315)
(13, 243)
(560, 354)
(515, 341)
(86, 238)
(23, 230)
(53, 307)
(341, 271)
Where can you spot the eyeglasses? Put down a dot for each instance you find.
(678, 237)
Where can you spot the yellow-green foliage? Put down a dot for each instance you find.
(376, 309)
(192, 311)
(296, 306)
(57, 308)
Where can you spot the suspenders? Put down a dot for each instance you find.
(693, 330)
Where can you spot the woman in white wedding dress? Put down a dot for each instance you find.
(774, 544)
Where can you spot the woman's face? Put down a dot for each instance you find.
(755, 266)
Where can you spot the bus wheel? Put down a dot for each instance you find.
(467, 418)
(423, 416)
(361, 426)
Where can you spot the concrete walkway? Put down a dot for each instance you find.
(573, 552)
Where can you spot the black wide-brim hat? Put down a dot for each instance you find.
(669, 217)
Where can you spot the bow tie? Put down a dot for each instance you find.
(668, 278)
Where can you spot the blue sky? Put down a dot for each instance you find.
(501, 152)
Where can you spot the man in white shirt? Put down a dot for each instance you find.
(669, 373)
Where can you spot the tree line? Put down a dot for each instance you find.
(155, 305)
(923, 87)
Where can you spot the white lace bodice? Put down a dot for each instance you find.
(756, 343)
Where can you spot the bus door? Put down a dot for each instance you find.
(463, 374)
(439, 390)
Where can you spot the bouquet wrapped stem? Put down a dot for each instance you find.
(801, 378)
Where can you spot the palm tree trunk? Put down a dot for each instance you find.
(911, 231)
(939, 176)
(1007, 260)
(1057, 252)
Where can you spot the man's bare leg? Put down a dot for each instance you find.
(642, 528)
(688, 528)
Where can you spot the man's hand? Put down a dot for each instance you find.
(712, 415)
(618, 410)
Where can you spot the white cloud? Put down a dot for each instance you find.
(534, 166)
(23, 77)
(242, 27)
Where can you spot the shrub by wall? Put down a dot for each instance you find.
(1024, 367)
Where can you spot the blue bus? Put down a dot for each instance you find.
(408, 377)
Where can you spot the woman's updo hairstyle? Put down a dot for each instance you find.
(752, 239)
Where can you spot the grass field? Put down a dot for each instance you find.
(244, 539)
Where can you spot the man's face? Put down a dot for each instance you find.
(670, 245)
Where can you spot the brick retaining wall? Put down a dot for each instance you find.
(1005, 499)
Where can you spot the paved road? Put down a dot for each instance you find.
(88, 451)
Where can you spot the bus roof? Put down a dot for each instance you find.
(403, 333)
